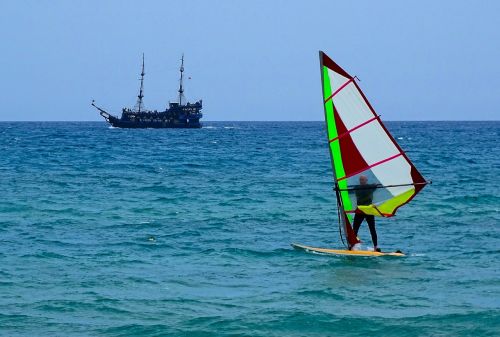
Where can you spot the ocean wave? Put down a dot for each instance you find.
(256, 253)
(77, 222)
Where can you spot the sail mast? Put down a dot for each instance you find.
(181, 89)
(340, 208)
(339, 200)
(139, 104)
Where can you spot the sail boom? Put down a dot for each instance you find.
(383, 186)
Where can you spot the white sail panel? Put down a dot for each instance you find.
(336, 80)
(351, 107)
(393, 172)
(373, 143)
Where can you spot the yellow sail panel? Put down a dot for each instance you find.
(388, 208)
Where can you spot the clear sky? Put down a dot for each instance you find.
(249, 60)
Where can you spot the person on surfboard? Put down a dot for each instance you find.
(364, 196)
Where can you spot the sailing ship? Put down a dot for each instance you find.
(178, 114)
(361, 146)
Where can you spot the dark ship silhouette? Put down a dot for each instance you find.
(177, 115)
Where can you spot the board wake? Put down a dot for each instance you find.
(343, 251)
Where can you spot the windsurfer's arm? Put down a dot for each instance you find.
(349, 190)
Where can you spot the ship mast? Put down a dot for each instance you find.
(139, 105)
(181, 89)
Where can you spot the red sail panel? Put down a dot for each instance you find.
(352, 159)
(352, 239)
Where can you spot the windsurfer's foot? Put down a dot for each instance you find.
(357, 246)
(376, 249)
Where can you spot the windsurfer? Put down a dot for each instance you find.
(364, 196)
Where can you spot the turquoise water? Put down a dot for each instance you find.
(109, 232)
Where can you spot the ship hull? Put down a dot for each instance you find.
(118, 123)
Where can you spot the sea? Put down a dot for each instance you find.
(174, 232)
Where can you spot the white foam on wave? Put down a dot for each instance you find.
(209, 127)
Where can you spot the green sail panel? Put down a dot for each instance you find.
(334, 147)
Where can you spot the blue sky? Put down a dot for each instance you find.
(249, 60)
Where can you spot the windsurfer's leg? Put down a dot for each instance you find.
(370, 219)
(358, 219)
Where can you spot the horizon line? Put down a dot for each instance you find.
(251, 121)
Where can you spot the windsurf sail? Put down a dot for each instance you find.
(369, 167)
